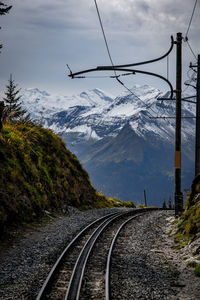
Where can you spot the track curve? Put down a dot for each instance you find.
(71, 287)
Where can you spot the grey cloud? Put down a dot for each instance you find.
(41, 36)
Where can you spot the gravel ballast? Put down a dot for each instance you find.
(25, 265)
(145, 266)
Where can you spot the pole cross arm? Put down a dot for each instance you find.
(133, 71)
(141, 72)
(185, 99)
(72, 75)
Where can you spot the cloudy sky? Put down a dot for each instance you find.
(41, 36)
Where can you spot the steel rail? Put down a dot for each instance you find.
(108, 264)
(74, 287)
(47, 284)
(73, 292)
(46, 288)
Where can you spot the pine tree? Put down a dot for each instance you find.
(13, 109)
(1, 114)
(164, 206)
(4, 9)
(170, 203)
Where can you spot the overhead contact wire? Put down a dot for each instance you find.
(190, 22)
(104, 35)
(192, 51)
(189, 25)
(137, 97)
(109, 54)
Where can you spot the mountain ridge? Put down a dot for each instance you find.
(105, 135)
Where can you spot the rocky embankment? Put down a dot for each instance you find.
(145, 262)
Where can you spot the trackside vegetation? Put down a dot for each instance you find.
(38, 173)
(189, 224)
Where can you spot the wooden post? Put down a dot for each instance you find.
(145, 198)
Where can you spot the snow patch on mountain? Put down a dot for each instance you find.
(95, 114)
(86, 130)
(40, 103)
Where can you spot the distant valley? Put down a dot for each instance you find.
(124, 149)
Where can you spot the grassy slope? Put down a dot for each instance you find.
(188, 228)
(38, 173)
(189, 225)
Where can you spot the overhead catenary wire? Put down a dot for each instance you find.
(104, 35)
(185, 89)
(115, 68)
(136, 97)
(191, 77)
(188, 43)
(188, 28)
(190, 22)
(166, 117)
(192, 51)
(109, 54)
(103, 76)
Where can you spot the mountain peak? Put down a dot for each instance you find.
(98, 112)
(36, 91)
(35, 101)
(96, 96)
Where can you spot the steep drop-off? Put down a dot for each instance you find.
(38, 173)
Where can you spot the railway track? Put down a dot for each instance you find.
(83, 269)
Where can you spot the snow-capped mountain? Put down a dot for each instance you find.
(40, 102)
(120, 137)
(95, 115)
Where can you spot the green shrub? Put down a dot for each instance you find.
(141, 205)
(189, 223)
(197, 271)
(192, 264)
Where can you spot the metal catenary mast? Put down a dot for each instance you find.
(178, 196)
